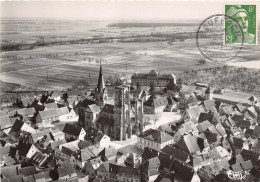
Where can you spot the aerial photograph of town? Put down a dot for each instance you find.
(133, 91)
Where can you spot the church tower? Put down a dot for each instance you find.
(122, 124)
(100, 91)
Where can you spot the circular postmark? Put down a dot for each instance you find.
(211, 36)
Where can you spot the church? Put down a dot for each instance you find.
(112, 119)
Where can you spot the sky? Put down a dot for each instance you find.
(111, 10)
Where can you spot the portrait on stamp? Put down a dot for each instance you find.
(245, 15)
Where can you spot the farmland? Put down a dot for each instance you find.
(58, 67)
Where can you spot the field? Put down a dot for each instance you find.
(58, 67)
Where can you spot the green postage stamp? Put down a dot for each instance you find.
(246, 16)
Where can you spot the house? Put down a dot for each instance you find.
(176, 154)
(140, 94)
(66, 150)
(18, 129)
(154, 139)
(91, 113)
(188, 144)
(27, 171)
(50, 117)
(103, 170)
(184, 173)
(65, 171)
(52, 105)
(132, 160)
(122, 173)
(105, 121)
(5, 124)
(10, 171)
(155, 105)
(108, 153)
(25, 101)
(24, 113)
(25, 151)
(150, 170)
(73, 132)
(80, 157)
(80, 109)
(192, 113)
(158, 79)
(91, 166)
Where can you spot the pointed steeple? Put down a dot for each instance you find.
(101, 82)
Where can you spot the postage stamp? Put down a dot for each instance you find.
(246, 15)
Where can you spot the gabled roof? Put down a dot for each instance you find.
(48, 113)
(26, 112)
(95, 162)
(188, 144)
(257, 131)
(10, 171)
(156, 136)
(203, 126)
(72, 129)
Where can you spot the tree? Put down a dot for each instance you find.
(202, 61)
(171, 86)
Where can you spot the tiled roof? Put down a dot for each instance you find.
(57, 143)
(156, 136)
(237, 167)
(204, 125)
(26, 112)
(108, 152)
(28, 178)
(72, 129)
(48, 113)
(247, 165)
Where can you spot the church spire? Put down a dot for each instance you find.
(101, 82)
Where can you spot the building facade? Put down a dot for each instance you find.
(158, 79)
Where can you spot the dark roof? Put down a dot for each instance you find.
(166, 160)
(105, 121)
(149, 153)
(23, 148)
(72, 129)
(188, 144)
(156, 102)
(176, 153)
(205, 116)
(237, 142)
(85, 103)
(250, 155)
(16, 128)
(156, 135)
(108, 108)
(182, 172)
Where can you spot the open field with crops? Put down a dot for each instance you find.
(60, 66)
